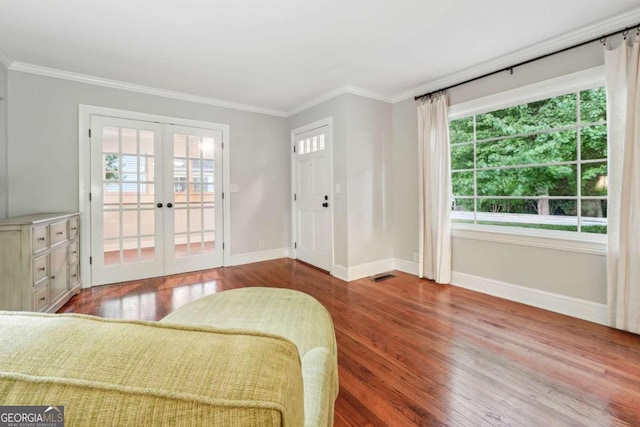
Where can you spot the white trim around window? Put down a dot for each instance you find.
(582, 80)
(551, 239)
(570, 241)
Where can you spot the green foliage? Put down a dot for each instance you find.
(111, 167)
(461, 130)
(535, 116)
(499, 142)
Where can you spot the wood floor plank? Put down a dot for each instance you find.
(412, 352)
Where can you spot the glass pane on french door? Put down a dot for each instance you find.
(127, 232)
(195, 175)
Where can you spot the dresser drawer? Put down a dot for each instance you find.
(74, 275)
(39, 236)
(41, 298)
(73, 252)
(73, 227)
(58, 232)
(40, 269)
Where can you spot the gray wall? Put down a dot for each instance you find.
(573, 274)
(369, 180)
(43, 153)
(3, 141)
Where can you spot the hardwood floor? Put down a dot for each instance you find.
(412, 352)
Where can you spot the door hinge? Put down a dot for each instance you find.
(222, 245)
(223, 196)
(295, 197)
(295, 245)
(294, 148)
(90, 260)
(89, 133)
(89, 196)
(223, 145)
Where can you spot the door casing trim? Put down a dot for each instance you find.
(84, 173)
(327, 121)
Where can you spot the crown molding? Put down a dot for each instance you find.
(550, 45)
(115, 84)
(350, 89)
(366, 93)
(4, 59)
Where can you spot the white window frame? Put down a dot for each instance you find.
(552, 239)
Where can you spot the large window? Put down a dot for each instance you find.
(541, 164)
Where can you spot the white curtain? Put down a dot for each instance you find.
(435, 190)
(623, 254)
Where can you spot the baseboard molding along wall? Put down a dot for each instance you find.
(574, 307)
(405, 266)
(260, 256)
(341, 272)
(356, 272)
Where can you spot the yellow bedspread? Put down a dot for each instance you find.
(111, 372)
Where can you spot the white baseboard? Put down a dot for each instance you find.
(405, 266)
(356, 272)
(341, 272)
(575, 307)
(369, 269)
(250, 257)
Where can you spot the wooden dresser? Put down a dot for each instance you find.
(39, 261)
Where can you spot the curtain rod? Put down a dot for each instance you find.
(602, 39)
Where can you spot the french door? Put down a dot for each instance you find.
(193, 173)
(153, 199)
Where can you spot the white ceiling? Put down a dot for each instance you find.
(280, 54)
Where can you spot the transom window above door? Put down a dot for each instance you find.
(311, 144)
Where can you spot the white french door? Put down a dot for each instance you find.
(195, 179)
(312, 189)
(153, 199)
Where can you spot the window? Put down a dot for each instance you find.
(133, 168)
(311, 144)
(203, 176)
(541, 164)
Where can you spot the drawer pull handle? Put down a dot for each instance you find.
(74, 228)
(41, 269)
(53, 277)
(74, 252)
(43, 298)
(74, 275)
(59, 233)
(40, 239)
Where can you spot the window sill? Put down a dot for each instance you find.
(595, 244)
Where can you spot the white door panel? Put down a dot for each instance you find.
(155, 189)
(127, 232)
(313, 231)
(194, 175)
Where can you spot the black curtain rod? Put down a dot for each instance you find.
(602, 39)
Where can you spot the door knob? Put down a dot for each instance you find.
(326, 197)
(325, 204)
(169, 205)
(159, 205)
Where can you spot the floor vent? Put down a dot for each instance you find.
(382, 276)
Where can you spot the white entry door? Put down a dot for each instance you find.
(312, 198)
(156, 199)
